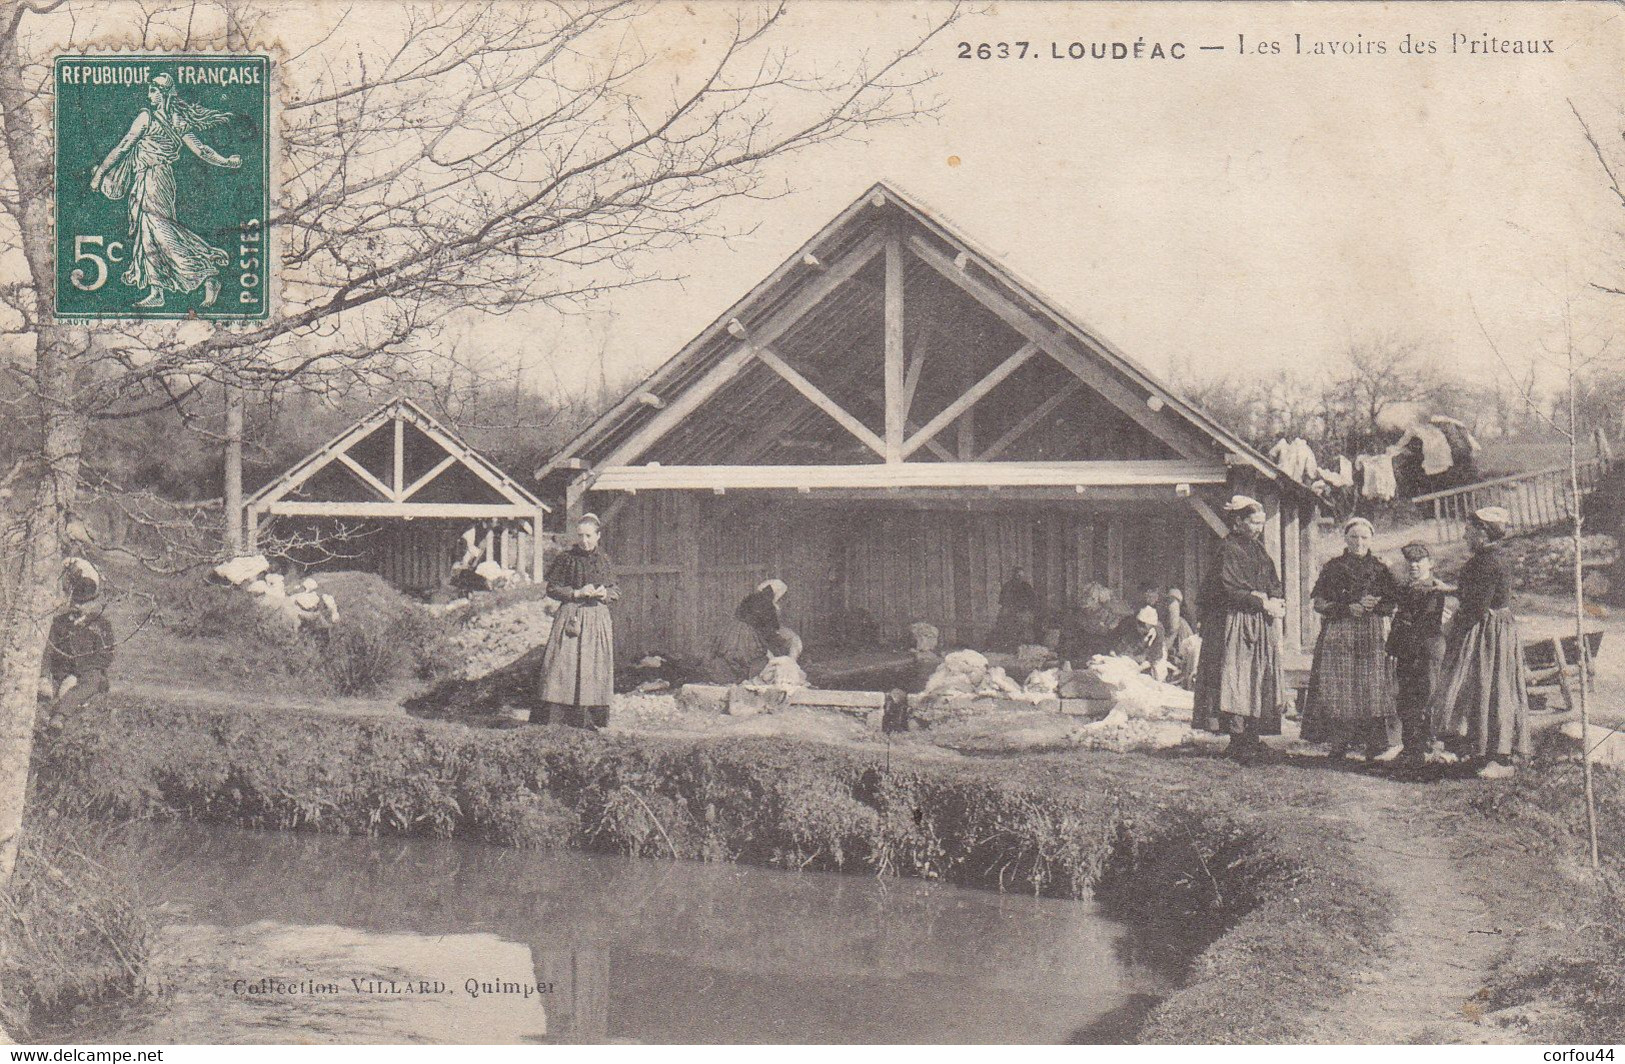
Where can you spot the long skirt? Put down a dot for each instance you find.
(1482, 702)
(1351, 698)
(578, 668)
(1240, 684)
(740, 654)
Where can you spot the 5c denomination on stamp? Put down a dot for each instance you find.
(162, 186)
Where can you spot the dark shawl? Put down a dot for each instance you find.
(760, 611)
(1348, 578)
(575, 569)
(1129, 640)
(1485, 585)
(1243, 566)
(80, 642)
(1418, 620)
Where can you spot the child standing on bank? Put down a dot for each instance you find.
(1416, 643)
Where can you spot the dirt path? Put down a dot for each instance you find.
(1444, 937)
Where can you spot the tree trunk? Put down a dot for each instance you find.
(48, 493)
(28, 623)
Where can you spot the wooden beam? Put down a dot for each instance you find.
(895, 414)
(765, 332)
(472, 511)
(1176, 434)
(418, 484)
(678, 408)
(1207, 514)
(985, 499)
(916, 365)
(399, 451)
(366, 475)
(1164, 475)
(1030, 422)
(973, 395)
(965, 432)
(823, 402)
(318, 459)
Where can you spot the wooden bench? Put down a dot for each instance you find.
(1557, 661)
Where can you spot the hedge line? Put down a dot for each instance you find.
(1254, 889)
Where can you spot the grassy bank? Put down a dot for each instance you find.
(74, 939)
(1250, 882)
(1562, 978)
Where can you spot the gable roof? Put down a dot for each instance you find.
(801, 277)
(400, 409)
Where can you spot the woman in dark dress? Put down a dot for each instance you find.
(1351, 683)
(578, 669)
(748, 640)
(1482, 704)
(1017, 622)
(1240, 684)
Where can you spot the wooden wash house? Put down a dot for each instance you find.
(891, 422)
(400, 495)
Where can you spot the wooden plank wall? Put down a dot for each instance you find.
(414, 555)
(684, 560)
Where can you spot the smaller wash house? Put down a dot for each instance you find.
(893, 423)
(401, 495)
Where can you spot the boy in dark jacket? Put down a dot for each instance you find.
(1416, 643)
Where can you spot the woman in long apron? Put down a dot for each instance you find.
(578, 669)
(1240, 685)
(1482, 705)
(1351, 683)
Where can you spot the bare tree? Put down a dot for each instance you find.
(470, 158)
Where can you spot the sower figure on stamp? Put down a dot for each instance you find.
(578, 669)
(1416, 643)
(164, 254)
(1240, 684)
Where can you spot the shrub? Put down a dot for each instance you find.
(74, 937)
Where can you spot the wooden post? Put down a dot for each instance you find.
(1306, 578)
(233, 491)
(400, 456)
(1114, 555)
(538, 564)
(894, 350)
(1292, 560)
(251, 531)
(689, 516)
(1272, 526)
(575, 503)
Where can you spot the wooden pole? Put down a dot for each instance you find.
(894, 350)
(1579, 621)
(233, 489)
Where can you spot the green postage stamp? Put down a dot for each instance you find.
(162, 186)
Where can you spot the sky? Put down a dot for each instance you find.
(1218, 214)
(1234, 214)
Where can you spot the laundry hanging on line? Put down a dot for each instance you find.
(1377, 476)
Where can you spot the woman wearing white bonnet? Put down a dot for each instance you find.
(1240, 683)
(1351, 698)
(1482, 705)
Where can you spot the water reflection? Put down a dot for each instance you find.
(613, 949)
